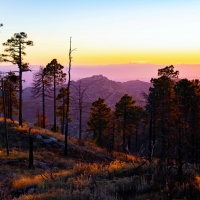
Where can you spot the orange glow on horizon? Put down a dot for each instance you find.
(109, 58)
(93, 58)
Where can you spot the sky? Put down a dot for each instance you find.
(105, 32)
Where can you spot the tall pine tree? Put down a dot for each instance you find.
(124, 111)
(100, 115)
(14, 54)
(41, 87)
(55, 72)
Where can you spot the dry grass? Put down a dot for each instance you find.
(197, 182)
(52, 195)
(68, 178)
(56, 135)
(14, 154)
(27, 181)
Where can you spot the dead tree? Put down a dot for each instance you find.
(68, 99)
(79, 100)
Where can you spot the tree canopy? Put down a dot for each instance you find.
(100, 115)
(14, 53)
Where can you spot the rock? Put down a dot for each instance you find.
(49, 140)
(31, 191)
(39, 137)
(54, 139)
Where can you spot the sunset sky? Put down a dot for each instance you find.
(106, 31)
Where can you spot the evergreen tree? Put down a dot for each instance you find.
(41, 87)
(124, 111)
(138, 116)
(100, 115)
(61, 109)
(15, 52)
(55, 72)
(11, 83)
(162, 110)
(188, 118)
(112, 133)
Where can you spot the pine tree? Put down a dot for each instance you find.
(11, 87)
(41, 87)
(100, 115)
(124, 111)
(15, 53)
(61, 109)
(138, 115)
(187, 119)
(162, 110)
(55, 72)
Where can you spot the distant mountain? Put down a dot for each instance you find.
(136, 89)
(100, 86)
(94, 87)
(118, 72)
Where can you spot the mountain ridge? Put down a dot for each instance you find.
(95, 86)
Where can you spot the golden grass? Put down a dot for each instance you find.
(116, 165)
(14, 154)
(88, 145)
(8, 120)
(58, 195)
(100, 168)
(27, 181)
(74, 180)
(197, 182)
(56, 135)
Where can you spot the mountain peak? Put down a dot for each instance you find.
(95, 78)
(100, 76)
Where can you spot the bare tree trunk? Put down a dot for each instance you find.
(136, 138)
(11, 104)
(67, 102)
(63, 116)
(43, 105)
(150, 137)
(20, 85)
(80, 124)
(124, 130)
(54, 125)
(4, 111)
(30, 149)
(20, 98)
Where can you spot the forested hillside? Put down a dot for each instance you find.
(96, 138)
(127, 149)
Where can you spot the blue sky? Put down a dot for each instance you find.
(105, 32)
